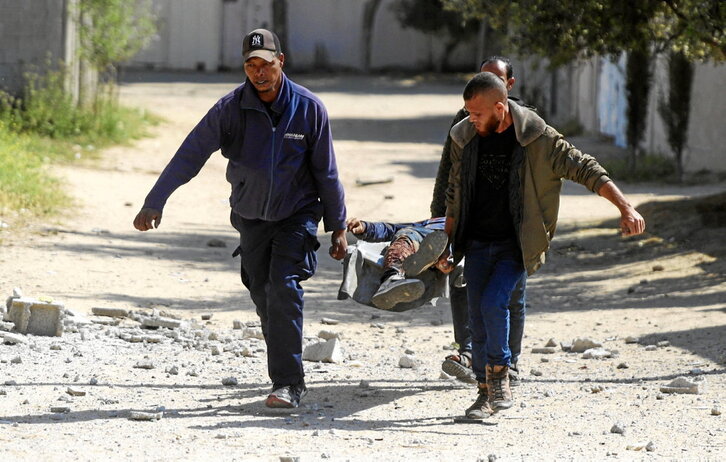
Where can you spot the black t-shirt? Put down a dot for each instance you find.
(489, 216)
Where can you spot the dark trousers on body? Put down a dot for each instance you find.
(276, 257)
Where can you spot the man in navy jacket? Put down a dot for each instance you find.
(284, 178)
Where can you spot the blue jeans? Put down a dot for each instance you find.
(517, 314)
(276, 257)
(492, 270)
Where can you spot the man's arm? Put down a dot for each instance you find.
(631, 222)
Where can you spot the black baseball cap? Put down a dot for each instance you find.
(261, 43)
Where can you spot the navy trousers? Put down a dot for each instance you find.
(276, 257)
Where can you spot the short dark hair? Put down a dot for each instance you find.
(507, 64)
(483, 82)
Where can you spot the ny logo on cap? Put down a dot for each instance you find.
(256, 40)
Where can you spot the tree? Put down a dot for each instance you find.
(113, 31)
(676, 108)
(429, 16)
(567, 29)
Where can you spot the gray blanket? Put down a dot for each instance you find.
(362, 271)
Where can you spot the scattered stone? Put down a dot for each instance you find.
(253, 332)
(566, 346)
(56, 347)
(636, 447)
(207, 316)
(159, 321)
(173, 370)
(630, 339)
(715, 410)
(684, 385)
(544, 350)
(9, 383)
(13, 339)
(216, 350)
(214, 242)
(663, 344)
(289, 459)
(651, 348)
(580, 345)
(650, 447)
(75, 391)
(93, 381)
(536, 372)
(145, 416)
(597, 353)
(6, 326)
(328, 334)
(377, 325)
(229, 381)
(697, 371)
(328, 351)
(16, 360)
(145, 364)
(551, 343)
(658, 268)
(110, 312)
(3, 393)
(544, 360)
(623, 366)
(364, 384)
(407, 362)
(329, 321)
(597, 389)
(618, 428)
(60, 409)
(237, 325)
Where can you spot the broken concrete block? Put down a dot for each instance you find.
(145, 416)
(36, 317)
(580, 345)
(6, 326)
(328, 351)
(229, 381)
(60, 409)
(407, 362)
(597, 353)
(253, 332)
(169, 323)
(110, 312)
(75, 391)
(684, 385)
(144, 364)
(12, 339)
(237, 325)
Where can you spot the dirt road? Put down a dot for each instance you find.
(595, 285)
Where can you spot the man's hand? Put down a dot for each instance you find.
(339, 244)
(445, 264)
(147, 219)
(631, 222)
(356, 226)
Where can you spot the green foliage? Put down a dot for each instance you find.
(44, 127)
(24, 182)
(46, 109)
(112, 31)
(676, 108)
(567, 29)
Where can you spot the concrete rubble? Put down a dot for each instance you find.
(683, 385)
(580, 344)
(145, 416)
(36, 317)
(328, 351)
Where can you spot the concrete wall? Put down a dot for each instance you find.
(33, 33)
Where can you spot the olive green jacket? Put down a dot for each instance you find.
(541, 159)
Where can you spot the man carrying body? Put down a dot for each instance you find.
(459, 365)
(501, 213)
(276, 136)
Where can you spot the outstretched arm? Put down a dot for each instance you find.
(631, 222)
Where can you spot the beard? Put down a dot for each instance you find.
(490, 126)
